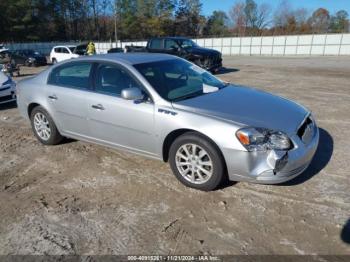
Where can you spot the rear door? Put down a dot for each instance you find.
(114, 120)
(66, 53)
(156, 45)
(58, 54)
(19, 57)
(68, 86)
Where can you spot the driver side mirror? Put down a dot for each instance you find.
(132, 93)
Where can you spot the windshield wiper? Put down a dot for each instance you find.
(188, 96)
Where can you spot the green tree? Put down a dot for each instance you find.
(217, 24)
(188, 18)
(339, 22)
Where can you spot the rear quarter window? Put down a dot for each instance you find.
(74, 75)
(156, 44)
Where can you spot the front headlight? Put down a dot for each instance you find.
(262, 139)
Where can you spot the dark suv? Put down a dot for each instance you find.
(28, 57)
(208, 59)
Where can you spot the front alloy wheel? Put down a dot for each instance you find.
(194, 163)
(197, 162)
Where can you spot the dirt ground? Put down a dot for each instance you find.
(79, 198)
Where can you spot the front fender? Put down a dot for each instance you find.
(222, 133)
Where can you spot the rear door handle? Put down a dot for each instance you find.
(53, 97)
(98, 107)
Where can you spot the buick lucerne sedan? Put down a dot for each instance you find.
(167, 108)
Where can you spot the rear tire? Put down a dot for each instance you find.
(44, 127)
(204, 168)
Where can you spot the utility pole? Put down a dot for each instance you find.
(115, 22)
(115, 30)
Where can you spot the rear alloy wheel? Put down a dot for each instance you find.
(196, 162)
(44, 128)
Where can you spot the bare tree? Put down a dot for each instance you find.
(238, 18)
(281, 16)
(263, 16)
(320, 20)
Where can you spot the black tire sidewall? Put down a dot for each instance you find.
(55, 136)
(214, 153)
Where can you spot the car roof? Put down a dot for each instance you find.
(128, 58)
(64, 46)
(172, 37)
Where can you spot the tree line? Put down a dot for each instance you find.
(104, 20)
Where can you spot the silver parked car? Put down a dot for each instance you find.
(167, 108)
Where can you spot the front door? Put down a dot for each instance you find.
(116, 121)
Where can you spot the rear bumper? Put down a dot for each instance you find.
(272, 167)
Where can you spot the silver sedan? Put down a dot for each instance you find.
(166, 108)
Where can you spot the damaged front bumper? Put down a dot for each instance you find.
(271, 167)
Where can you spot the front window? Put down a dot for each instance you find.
(176, 80)
(187, 43)
(111, 80)
(31, 52)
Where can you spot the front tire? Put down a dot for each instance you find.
(44, 127)
(197, 162)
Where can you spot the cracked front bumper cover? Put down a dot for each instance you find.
(271, 167)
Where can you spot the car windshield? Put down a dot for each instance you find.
(71, 48)
(187, 43)
(31, 52)
(176, 79)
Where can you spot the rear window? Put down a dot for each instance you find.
(156, 44)
(74, 75)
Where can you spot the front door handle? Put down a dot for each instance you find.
(53, 97)
(98, 107)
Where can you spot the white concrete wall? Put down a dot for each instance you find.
(292, 45)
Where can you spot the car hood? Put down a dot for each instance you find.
(203, 51)
(248, 107)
